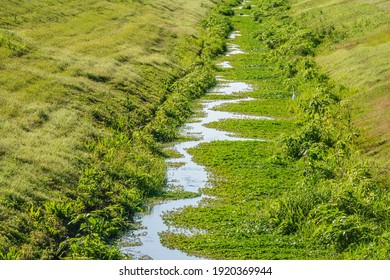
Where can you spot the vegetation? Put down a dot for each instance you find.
(89, 90)
(313, 193)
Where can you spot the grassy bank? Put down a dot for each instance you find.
(311, 191)
(354, 56)
(89, 91)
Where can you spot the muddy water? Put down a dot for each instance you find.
(145, 242)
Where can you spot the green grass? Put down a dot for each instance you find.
(267, 107)
(245, 182)
(82, 61)
(259, 129)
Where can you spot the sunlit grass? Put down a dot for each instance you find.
(358, 60)
(259, 129)
(78, 53)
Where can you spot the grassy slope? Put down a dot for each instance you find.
(357, 57)
(77, 79)
(78, 60)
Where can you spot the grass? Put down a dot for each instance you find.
(267, 130)
(265, 107)
(245, 182)
(78, 64)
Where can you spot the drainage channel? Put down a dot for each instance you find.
(144, 243)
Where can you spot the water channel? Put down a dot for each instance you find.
(145, 242)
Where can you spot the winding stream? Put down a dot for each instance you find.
(145, 242)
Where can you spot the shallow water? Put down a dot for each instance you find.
(233, 49)
(234, 34)
(225, 64)
(228, 88)
(148, 238)
(145, 243)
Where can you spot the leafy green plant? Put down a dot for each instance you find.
(11, 254)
